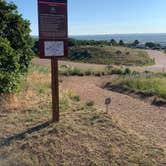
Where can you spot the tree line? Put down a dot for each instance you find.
(113, 42)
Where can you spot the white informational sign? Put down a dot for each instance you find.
(54, 48)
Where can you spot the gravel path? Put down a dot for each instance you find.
(138, 116)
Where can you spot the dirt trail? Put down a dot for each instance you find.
(140, 117)
(160, 66)
(160, 62)
(47, 62)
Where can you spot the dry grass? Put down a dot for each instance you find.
(110, 55)
(84, 136)
(147, 83)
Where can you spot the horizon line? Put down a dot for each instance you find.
(116, 34)
(110, 34)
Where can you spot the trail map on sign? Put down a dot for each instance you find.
(54, 48)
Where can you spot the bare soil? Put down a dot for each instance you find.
(139, 116)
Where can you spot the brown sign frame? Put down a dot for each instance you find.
(44, 38)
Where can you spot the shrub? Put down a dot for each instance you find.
(118, 52)
(90, 103)
(127, 71)
(128, 53)
(15, 47)
(116, 71)
(9, 68)
(76, 98)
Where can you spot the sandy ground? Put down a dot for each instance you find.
(137, 115)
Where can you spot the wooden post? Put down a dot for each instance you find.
(107, 108)
(55, 89)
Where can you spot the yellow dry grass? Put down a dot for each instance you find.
(84, 136)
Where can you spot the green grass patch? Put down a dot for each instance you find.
(147, 83)
(39, 69)
(110, 55)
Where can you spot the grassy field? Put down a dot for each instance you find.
(84, 135)
(110, 55)
(147, 83)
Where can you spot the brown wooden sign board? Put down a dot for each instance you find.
(53, 31)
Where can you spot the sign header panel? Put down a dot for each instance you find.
(53, 28)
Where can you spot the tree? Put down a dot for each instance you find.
(113, 42)
(16, 44)
(135, 43)
(35, 47)
(17, 31)
(121, 43)
(9, 67)
(72, 42)
(150, 45)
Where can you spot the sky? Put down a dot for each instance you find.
(89, 17)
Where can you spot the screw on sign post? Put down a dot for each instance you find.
(107, 103)
(53, 43)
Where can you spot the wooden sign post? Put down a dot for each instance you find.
(55, 90)
(53, 43)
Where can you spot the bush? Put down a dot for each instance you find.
(128, 53)
(127, 71)
(90, 103)
(9, 73)
(15, 47)
(116, 71)
(118, 52)
(76, 98)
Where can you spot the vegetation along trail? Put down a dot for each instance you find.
(160, 63)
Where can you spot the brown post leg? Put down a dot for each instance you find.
(55, 90)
